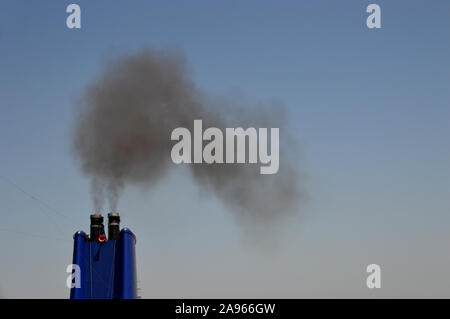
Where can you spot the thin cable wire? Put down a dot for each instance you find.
(35, 198)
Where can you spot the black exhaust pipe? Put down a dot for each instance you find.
(97, 228)
(113, 226)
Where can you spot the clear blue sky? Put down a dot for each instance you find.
(371, 109)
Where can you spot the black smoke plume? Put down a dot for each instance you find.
(123, 128)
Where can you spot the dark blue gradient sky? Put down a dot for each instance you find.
(371, 109)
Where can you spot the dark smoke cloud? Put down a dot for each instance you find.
(123, 128)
